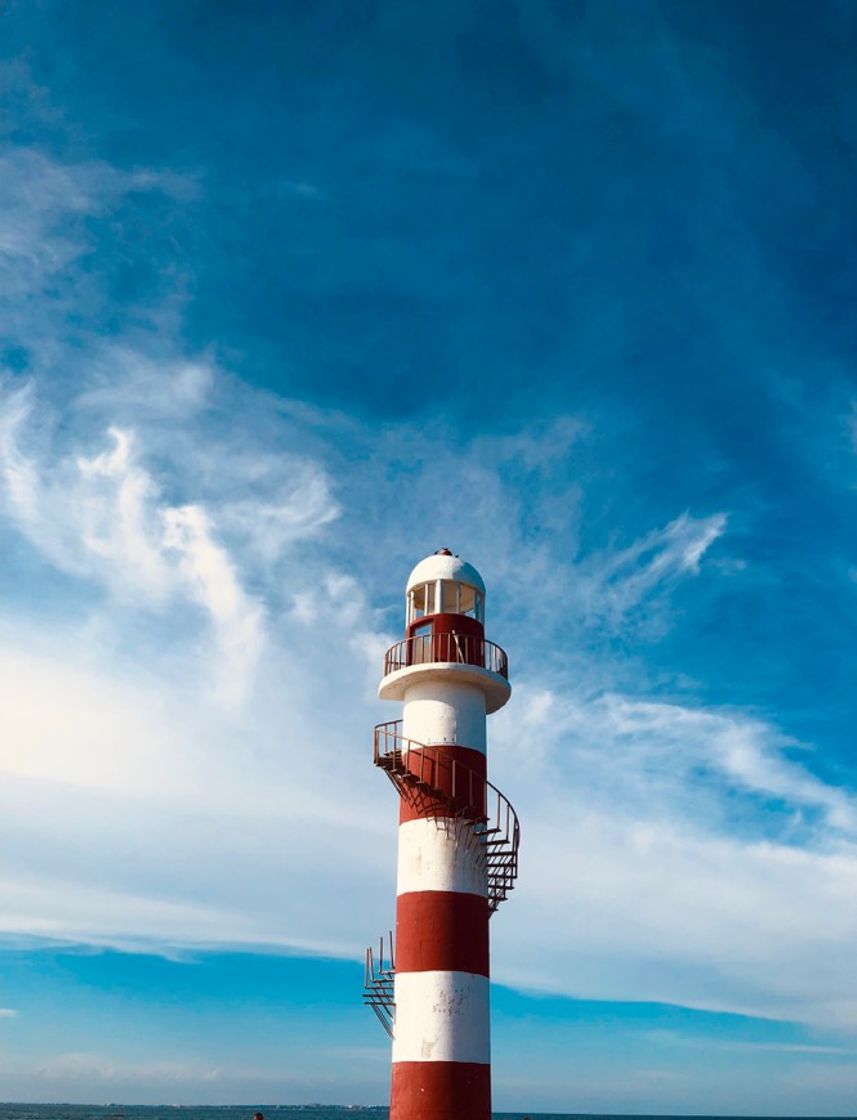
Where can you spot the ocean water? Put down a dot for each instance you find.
(229, 1112)
(272, 1112)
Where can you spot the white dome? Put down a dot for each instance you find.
(443, 566)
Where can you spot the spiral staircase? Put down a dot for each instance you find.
(465, 805)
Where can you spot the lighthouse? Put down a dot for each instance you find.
(458, 843)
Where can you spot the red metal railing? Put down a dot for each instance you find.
(448, 789)
(378, 985)
(464, 649)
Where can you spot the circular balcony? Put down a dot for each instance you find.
(463, 657)
(461, 649)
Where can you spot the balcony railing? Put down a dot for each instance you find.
(463, 649)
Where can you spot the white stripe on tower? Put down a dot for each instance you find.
(445, 712)
(429, 860)
(453, 1030)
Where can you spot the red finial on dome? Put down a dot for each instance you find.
(443, 552)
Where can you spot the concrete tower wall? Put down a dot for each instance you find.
(448, 678)
(443, 711)
(441, 1047)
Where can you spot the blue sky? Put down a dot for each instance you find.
(293, 295)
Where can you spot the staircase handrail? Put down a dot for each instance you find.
(378, 991)
(472, 796)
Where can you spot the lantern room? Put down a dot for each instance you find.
(445, 596)
(445, 584)
(445, 633)
(445, 604)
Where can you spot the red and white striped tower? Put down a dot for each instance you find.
(458, 846)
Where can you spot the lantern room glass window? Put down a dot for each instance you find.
(416, 603)
(470, 602)
(445, 596)
(449, 595)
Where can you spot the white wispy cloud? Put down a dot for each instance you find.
(657, 834)
(212, 577)
(680, 746)
(677, 848)
(661, 840)
(103, 517)
(46, 207)
(122, 380)
(612, 585)
(671, 851)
